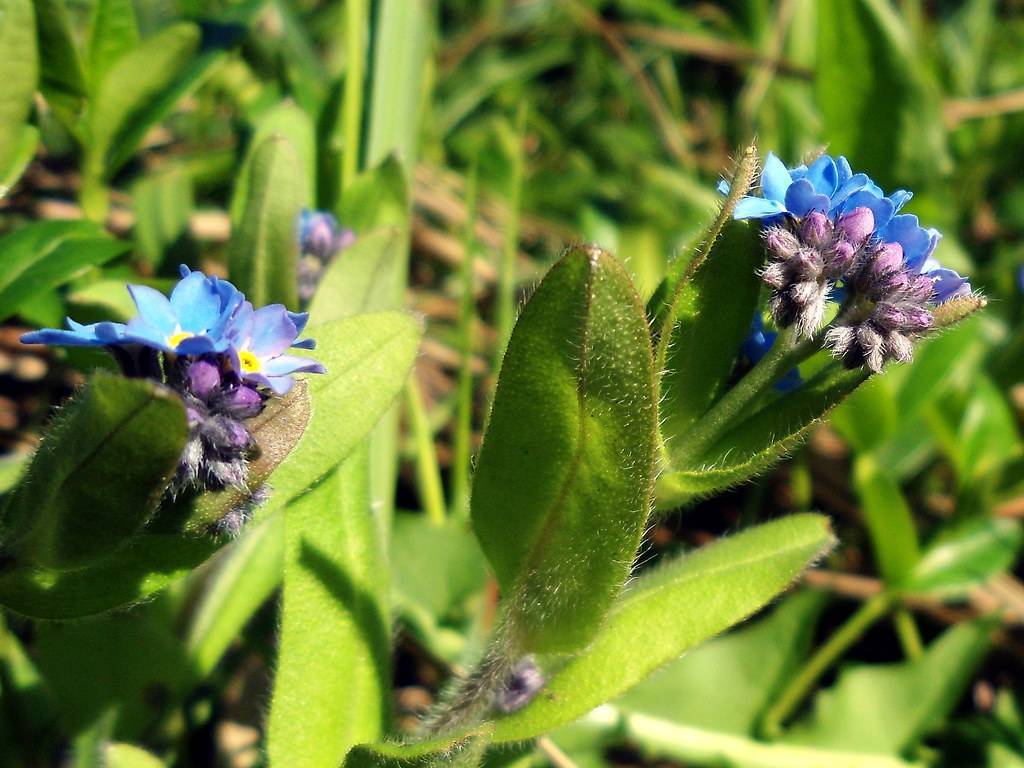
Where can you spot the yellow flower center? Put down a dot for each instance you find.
(176, 338)
(250, 363)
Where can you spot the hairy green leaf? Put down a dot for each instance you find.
(760, 441)
(98, 475)
(712, 315)
(563, 481)
(362, 279)
(264, 250)
(367, 359)
(673, 609)
(333, 682)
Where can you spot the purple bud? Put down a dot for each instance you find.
(203, 378)
(857, 225)
(523, 683)
(888, 260)
(774, 275)
(917, 319)
(807, 263)
(841, 259)
(816, 229)
(899, 347)
(889, 316)
(320, 235)
(243, 402)
(780, 242)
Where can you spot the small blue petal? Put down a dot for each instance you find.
(843, 169)
(905, 230)
(947, 284)
(854, 183)
(880, 207)
(757, 208)
(900, 198)
(154, 308)
(775, 179)
(801, 198)
(196, 303)
(823, 176)
(723, 187)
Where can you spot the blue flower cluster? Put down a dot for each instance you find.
(321, 237)
(203, 316)
(834, 235)
(830, 186)
(223, 357)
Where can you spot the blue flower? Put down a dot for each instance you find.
(259, 340)
(192, 321)
(95, 335)
(756, 346)
(320, 234)
(828, 185)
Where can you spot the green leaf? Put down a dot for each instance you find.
(333, 683)
(19, 63)
(62, 76)
(888, 708)
(122, 108)
(889, 520)
(129, 756)
(759, 442)
(377, 198)
(24, 151)
(113, 32)
(45, 255)
(175, 541)
(439, 574)
(244, 574)
(163, 203)
(367, 359)
(670, 611)
(966, 556)
(877, 105)
(563, 481)
(264, 250)
(363, 278)
(98, 475)
(727, 683)
(712, 316)
(465, 750)
(293, 124)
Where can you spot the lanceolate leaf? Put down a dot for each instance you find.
(98, 475)
(670, 611)
(757, 443)
(367, 359)
(112, 33)
(61, 74)
(264, 250)
(712, 318)
(333, 679)
(18, 73)
(362, 279)
(134, 82)
(563, 482)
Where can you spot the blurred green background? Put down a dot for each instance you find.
(522, 126)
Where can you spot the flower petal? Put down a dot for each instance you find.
(154, 309)
(196, 302)
(948, 283)
(905, 230)
(881, 208)
(843, 169)
(272, 331)
(775, 178)
(801, 199)
(757, 208)
(285, 365)
(823, 175)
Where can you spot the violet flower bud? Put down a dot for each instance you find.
(816, 229)
(857, 226)
(203, 378)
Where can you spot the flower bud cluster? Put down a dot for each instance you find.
(320, 240)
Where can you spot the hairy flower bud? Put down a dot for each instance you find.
(203, 378)
(856, 226)
(816, 230)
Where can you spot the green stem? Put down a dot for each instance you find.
(461, 448)
(841, 641)
(428, 475)
(355, 69)
(910, 637)
(785, 353)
